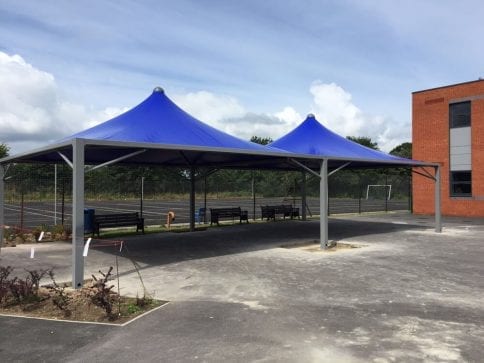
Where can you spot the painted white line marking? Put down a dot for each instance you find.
(87, 322)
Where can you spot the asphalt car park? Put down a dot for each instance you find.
(249, 293)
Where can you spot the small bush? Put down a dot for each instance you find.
(60, 232)
(26, 290)
(39, 229)
(13, 234)
(4, 283)
(26, 295)
(60, 298)
(10, 233)
(102, 294)
(133, 309)
(35, 277)
(21, 290)
(143, 301)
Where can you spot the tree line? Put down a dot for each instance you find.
(120, 181)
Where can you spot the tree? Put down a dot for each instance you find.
(261, 140)
(4, 149)
(403, 150)
(363, 140)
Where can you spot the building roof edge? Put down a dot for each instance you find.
(450, 85)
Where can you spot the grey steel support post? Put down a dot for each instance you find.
(303, 196)
(253, 195)
(410, 193)
(2, 202)
(323, 204)
(192, 199)
(387, 194)
(55, 194)
(141, 196)
(205, 198)
(359, 196)
(438, 219)
(77, 213)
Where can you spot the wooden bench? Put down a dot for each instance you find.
(217, 213)
(267, 212)
(286, 210)
(118, 220)
(295, 213)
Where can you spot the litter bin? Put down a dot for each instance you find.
(88, 220)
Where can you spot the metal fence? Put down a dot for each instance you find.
(41, 194)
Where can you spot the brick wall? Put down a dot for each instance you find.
(430, 138)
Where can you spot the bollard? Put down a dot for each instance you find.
(170, 217)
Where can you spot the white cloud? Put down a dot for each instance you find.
(289, 115)
(332, 105)
(227, 114)
(209, 107)
(32, 112)
(334, 108)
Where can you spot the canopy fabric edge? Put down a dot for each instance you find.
(30, 156)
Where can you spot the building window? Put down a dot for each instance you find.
(460, 114)
(460, 183)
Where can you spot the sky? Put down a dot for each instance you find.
(246, 67)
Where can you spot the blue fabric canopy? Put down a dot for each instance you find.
(158, 120)
(158, 132)
(312, 138)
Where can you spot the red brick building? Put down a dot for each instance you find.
(448, 128)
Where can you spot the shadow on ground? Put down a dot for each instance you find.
(167, 248)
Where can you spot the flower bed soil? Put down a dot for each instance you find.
(81, 308)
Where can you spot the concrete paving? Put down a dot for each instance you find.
(408, 294)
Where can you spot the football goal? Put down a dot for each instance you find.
(379, 191)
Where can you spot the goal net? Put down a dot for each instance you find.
(379, 191)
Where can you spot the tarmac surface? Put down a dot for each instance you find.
(407, 295)
(37, 213)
